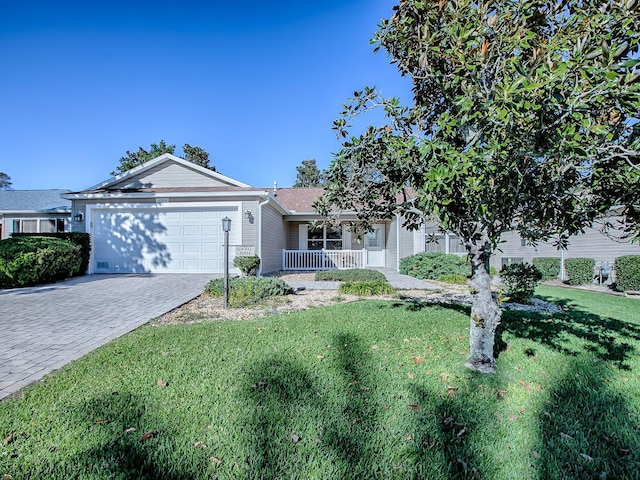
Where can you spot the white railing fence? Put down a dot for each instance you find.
(323, 259)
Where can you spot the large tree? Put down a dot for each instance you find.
(131, 160)
(309, 175)
(522, 119)
(5, 181)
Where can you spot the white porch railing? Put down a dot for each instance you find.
(323, 259)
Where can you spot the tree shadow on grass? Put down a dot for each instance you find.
(573, 332)
(124, 437)
(338, 419)
(588, 431)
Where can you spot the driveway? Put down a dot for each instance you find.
(43, 328)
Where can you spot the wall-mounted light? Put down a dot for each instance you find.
(78, 217)
(247, 214)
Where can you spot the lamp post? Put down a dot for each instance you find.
(226, 228)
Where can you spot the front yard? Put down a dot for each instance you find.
(367, 389)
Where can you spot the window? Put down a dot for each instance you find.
(444, 242)
(511, 260)
(39, 225)
(327, 237)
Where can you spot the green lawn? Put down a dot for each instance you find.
(369, 389)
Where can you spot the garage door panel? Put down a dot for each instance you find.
(170, 240)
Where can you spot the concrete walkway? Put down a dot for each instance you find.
(43, 328)
(402, 282)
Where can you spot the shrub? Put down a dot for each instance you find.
(453, 278)
(249, 290)
(366, 288)
(79, 238)
(433, 265)
(579, 270)
(628, 273)
(32, 260)
(520, 281)
(549, 267)
(248, 265)
(355, 275)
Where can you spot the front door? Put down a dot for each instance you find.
(374, 244)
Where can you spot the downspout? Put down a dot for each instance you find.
(260, 205)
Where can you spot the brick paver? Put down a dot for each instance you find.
(43, 328)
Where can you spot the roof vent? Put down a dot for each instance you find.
(275, 189)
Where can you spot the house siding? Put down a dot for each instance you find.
(274, 239)
(592, 244)
(391, 242)
(166, 175)
(406, 242)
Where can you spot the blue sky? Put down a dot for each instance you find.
(256, 84)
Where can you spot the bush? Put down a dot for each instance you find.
(433, 265)
(628, 273)
(453, 278)
(366, 288)
(32, 260)
(355, 275)
(549, 267)
(248, 265)
(79, 238)
(249, 290)
(520, 281)
(579, 270)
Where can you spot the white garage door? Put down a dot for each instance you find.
(160, 240)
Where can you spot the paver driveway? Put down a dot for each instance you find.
(43, 328)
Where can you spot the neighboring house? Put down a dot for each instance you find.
(34, 211)
(593, 243)
(166, 216)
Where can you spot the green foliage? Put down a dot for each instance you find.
(131, 160)
(197, 155)
(83, 240)
(249, 290)
(454, 278)
(28, 261)
(519, 281)
(5, 181)
(309, 175)
(433, 265)
(628, 273)
(353, 275)
(579, 271)
(366, 288)
(248, 265)
(549, 267)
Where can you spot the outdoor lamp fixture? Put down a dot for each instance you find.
(78, 217)
(247, 214)
(226, 228)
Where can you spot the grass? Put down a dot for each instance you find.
(369, 389)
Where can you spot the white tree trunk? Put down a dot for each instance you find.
(485, 312)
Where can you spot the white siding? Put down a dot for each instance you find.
(273, 239)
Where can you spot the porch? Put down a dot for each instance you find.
(323, 259)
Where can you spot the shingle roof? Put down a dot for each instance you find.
(34, 201)
(299, 200)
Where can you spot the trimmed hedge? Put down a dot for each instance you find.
(433, 265)
(628, 273)
(520, 281)
(248, 265)
(354, 275)
(33, 260)
(549, 267)
(249, 290)
(366, 288)
(579, 271)
(79, 238)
